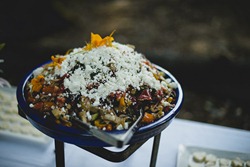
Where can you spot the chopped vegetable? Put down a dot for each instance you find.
(148, 118)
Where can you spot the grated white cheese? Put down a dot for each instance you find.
(92, 68)
(37, 71)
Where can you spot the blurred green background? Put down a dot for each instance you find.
(204, 44)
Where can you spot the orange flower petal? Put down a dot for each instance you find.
(97, 41)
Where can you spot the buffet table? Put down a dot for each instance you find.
(180, 132)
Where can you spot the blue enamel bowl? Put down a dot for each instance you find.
(83, 138)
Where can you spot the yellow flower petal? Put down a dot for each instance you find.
(56, 61)
(37, 83)
(97, 41)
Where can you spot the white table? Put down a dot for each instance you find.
(179, 132)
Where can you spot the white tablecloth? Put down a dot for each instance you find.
(27, 154)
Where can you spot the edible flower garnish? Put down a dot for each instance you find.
(57, 61)
(97, 40)
(37, 83)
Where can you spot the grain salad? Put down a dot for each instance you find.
(104, 83)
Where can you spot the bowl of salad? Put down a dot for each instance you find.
(104, 84)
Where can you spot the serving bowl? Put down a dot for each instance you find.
(81, 137)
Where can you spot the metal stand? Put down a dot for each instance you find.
(155, 150)
(59, 152)
(107, 154)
